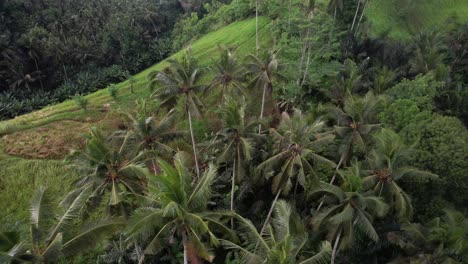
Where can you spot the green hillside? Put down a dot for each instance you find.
(402, 18)
(35, 161)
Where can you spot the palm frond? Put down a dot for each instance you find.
(70, 214)
(90, 235)
(322, 257)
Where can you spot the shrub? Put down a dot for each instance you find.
(81, 101)
(113, 91)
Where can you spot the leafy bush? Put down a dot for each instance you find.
(81, 101)
(113, 91)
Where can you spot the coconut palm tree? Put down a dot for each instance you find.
(388, 163)
(12, 250)
(263, 71)
(297, 145)
(351, 211)
(111, 165)
(179, 210)
(228, 74)
(153, 137)
(282, 243)
(181, 79)
(441, 240)
(53, 233)
(355, 122)
(237, 140)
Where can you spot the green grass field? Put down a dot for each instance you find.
(19, 177)
(403, 18)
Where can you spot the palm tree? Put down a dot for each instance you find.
(237, 139)
(154, 137)
(388, 166)
(442, 240)
(228, 73)
(52, 231)
(111, 166)
(352, 211)
(355, 122)
(282, 243)
(181, 78)
(297, 145)
(334, 5)
(179, 211)
(263, 71)
(12, 250)
(356, 13)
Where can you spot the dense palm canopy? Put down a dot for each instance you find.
(295, 155)
(236, 142)
(53, 234)
(154, 135)
(441, 240)
(350, 211)
(263, 71)
(112, 166)
(388, 167)
(179, 209)
(181, 79)
(283, 242)
(321, 66)
(228, 74)
(297, 146)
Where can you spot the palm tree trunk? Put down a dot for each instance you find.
(224, 90)
(271, 211)
(233, 186)
(256, 28)
(335, 247)
(40, 79)
(333, 178)
(184, 242)
(355, 14)
(65, 71)
(263, 106)
(193, 144)
(360, 18)
(305, 46)
(306, 66)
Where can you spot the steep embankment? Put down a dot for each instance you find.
(402, 19)
(32, 146)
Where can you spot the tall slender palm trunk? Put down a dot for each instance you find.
(257, 47)
(355, 14)
(335, 247)
(263, 106)
(233, 186)
(271, 211)
(362, 15)
(333, 178)
(193, 144)
(185, 244)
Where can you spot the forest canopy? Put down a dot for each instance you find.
(243, 131)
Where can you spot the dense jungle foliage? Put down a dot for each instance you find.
(329, 139)
(53, 50)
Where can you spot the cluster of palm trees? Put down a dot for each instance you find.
(331, 176)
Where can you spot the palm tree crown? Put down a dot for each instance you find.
(179, 209)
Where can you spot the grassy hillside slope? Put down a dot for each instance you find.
(32, 146)
(403, 18)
